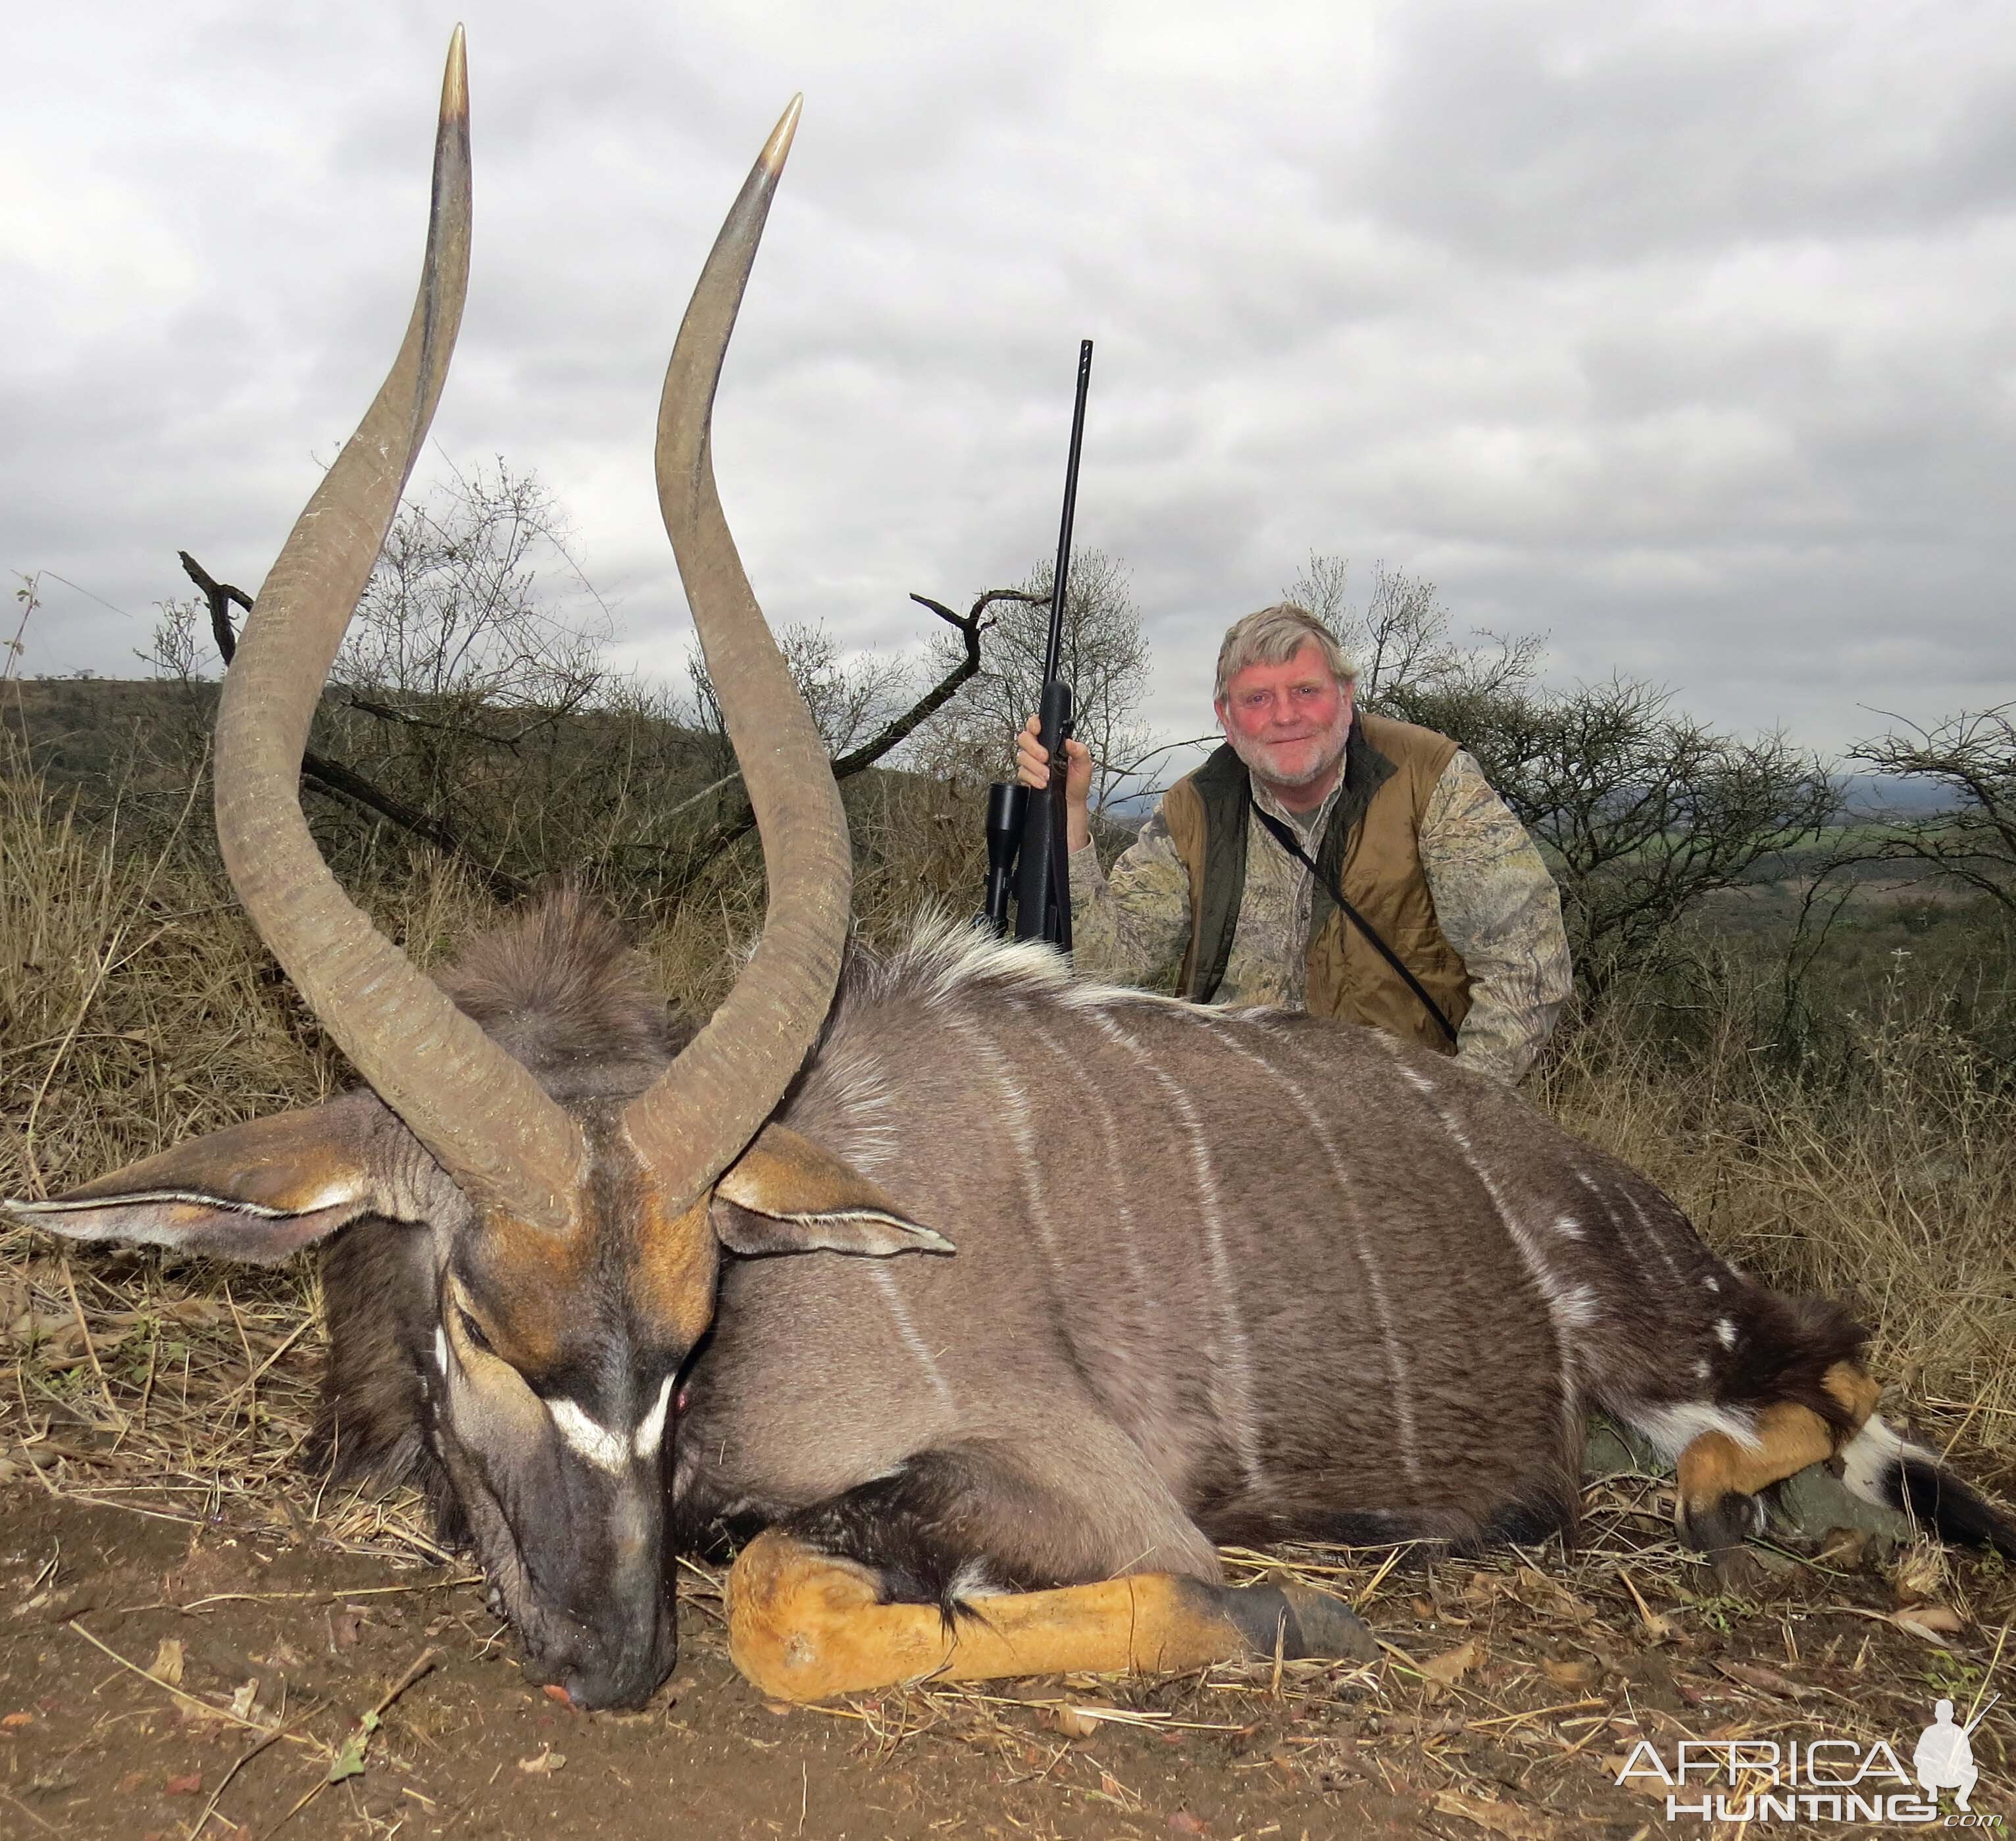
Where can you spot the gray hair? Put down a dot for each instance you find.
(1273, 636)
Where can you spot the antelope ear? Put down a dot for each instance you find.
(255, 1193)
(787, 1195)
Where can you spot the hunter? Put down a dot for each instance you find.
(1397, 819)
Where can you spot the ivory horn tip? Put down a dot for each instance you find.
(779, 143)
(455, 80)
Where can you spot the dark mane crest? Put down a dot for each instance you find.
(559, 984)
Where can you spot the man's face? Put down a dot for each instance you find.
(1287, 721)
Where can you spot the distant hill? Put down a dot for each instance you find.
(1863, 794)
(81, 731)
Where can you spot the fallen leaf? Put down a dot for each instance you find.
(1928, 1622)
(191, 1785)
(547, 1762)
(1182, 1822)
(553, 1691)
(14, 1720)
(344, 1628)
(349, 1762)
(197, 1311)
(1570, 1675)
(1641, 1783)
(132, 1781)
(1071, 1721)
(245, 1698)
(1501, 1818)
(167, 1667)
(1755, 1675)
(1453, 1664)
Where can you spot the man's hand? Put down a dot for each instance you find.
(1032, 768)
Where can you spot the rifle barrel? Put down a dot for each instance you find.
(1061, 576)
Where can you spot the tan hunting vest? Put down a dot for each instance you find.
(1370, 847)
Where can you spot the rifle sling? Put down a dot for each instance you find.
(1285, 838)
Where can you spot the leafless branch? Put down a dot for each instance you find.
(332, 777)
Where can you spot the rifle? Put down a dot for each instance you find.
(1028, 845)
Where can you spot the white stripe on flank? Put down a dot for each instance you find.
(1624, 1240)
(1397, 1372)
(1015, 1110)
(1561, 1303)
(651, 1427)
(859, 1091)
(1238, 1351)
(604, 1448)
(906, 1329)
(1651, 1233)
(1116, 1169)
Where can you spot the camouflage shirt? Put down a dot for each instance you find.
(1495, 903)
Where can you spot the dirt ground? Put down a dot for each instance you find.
(1504, 1705)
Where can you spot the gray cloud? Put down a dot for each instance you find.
(1683, 334)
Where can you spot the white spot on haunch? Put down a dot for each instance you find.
(1702, 1371)
(651, 1427)
(1577, 1307)
(1712, 1282)
(1725, 1333)
(441, 1349)
(973, 1580)
(1568, 1228)
(1866, 1460)
(604, 1448)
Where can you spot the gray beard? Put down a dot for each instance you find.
(1253, 753)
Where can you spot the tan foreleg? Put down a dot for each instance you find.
(802, 1626)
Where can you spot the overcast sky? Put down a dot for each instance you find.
(1685, 334)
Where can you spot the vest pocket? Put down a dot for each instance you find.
(1371, 993)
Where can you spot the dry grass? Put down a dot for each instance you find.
(1885, 1175)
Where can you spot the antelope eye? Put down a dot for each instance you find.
(473, 1331)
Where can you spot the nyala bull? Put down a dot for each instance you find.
(975, 1304)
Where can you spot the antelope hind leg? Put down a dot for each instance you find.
(1719, 1476)
(803, 1625)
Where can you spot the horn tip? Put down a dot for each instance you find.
(779, 143)
(455, 80)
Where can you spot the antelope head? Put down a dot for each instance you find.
(558, 1208)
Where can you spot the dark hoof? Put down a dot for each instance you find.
(1306, 1625)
